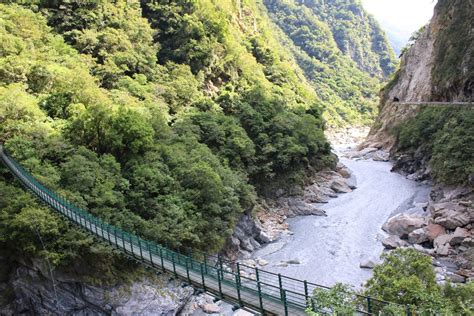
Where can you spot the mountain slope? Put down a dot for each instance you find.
(439, 66)
(357, 34)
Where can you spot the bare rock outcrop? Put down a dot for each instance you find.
(33, 292)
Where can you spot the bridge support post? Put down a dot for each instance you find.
(202, 277)
(219, 282)
(285, 304)
(259, 288)
(280, 285)
(140, 248)
(369, 305)
(408, 310)
(150, 254)
(162, 260)
(306, 294)
(115, 235)
(174, 265)
(187, 270)
(237, 286)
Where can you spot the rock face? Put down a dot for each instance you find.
(423, 76)
(33, 293)
(403, 224)
(445, 231)
(451, 214)
(393, 242)
(266, 226)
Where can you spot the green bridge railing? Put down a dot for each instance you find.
(260, 290)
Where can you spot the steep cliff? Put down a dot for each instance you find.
(439, 66)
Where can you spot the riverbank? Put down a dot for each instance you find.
(331, 249)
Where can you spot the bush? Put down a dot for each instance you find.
(445, 136)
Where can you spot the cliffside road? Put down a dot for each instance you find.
(330, 249)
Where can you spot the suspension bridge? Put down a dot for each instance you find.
(261, 291)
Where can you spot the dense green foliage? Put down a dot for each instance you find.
(445, 136)
(453, 69)
(338, 300)
(348, 94)
(357, 34)
(162, 118)
(407, 277)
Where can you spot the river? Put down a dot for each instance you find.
(330, 249)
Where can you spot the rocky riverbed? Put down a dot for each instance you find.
(340, 240)
(332, 248)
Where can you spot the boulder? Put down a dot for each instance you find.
(340, 186)
(451, 215)
(368, 264)
(418, 236)
(381, 155)
(264, 238)
(393, 242)
(434, 230)
(443, 250)
(403, 224)
(211, 309)
(352, 182)
(297, 206)
(343, 171)
(442, 240)
(262, 262)
(441, 244)
(458, 236)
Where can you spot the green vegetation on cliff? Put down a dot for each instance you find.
(357, 34)
(445, 136)
(164, 118)
(348, 94)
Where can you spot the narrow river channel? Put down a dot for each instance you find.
(330, 249)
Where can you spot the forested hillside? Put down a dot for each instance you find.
(340, 53)
(165, 118)
(357, 34)
(162, 118)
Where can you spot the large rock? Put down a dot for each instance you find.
(34, 294)
(441, 244)
(451, 215)
(297, 206)
(340, 186)
(434, 230)
(381, 155)
(458, 236)
(403, 224)
(368, 264)
(211, 308)
(418, 236)
(393, 242)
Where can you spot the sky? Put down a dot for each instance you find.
(400, 18)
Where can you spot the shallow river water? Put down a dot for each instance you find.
(330, 249)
